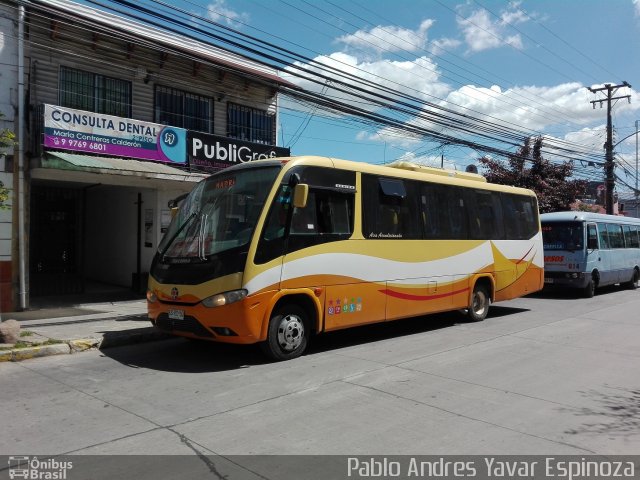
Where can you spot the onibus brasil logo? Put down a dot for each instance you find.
(32, 468)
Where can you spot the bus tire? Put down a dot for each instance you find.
(480, 302)
(288, 333)
(633, 283)
(590, 290)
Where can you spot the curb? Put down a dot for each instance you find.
(82, 345)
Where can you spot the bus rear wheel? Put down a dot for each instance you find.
(480, 302)
(288, 333)
(633, 283)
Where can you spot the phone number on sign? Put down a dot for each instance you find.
(98, 147)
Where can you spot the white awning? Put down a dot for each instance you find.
(75, 167)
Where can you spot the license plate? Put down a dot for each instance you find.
(176, 314)
(548, 280)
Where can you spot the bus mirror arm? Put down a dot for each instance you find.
(300, 195)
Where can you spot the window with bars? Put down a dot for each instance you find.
(94, 92)
(251, 124)
(183, 109)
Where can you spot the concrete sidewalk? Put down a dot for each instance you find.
(71, 329)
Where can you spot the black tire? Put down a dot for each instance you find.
(590, 290)
(480, 302)
(633, 283)
(288, 333)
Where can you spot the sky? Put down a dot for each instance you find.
(524, 65)
(527, 63)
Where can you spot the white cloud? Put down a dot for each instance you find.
(589, 136)
(399, 140)
(636, 5)
(389, 38)
(481, 32)
(220, 12)
(419, 78)
(530, 108)
(441, 45)
(513, 15)
(534, 108)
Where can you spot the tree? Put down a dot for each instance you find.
(549, 180)
(7, 140)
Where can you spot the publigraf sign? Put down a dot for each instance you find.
(213, 151)
(69, 129)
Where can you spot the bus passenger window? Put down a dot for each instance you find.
(604, 236)
(616, 239)
(630, 236)
(388, 220)
(328, 217)
(592, 237)
(631, 233)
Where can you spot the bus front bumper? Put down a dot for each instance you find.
(565, 279)
(239, 322)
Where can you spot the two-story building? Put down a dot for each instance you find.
(114, 118)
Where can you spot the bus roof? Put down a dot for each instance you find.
(586, 217)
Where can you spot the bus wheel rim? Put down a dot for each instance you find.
(290, 332)
(479, 302)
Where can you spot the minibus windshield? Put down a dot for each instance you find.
(219, 214)
(562, 236)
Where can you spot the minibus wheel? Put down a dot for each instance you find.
(480, 302)
(288, 333)
(590, 290)
(633, 283)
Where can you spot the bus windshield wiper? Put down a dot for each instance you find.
(179, 231)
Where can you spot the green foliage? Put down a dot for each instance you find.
(7, 140)
(549, 180)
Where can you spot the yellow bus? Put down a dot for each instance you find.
(275, 251)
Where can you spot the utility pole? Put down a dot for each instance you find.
(609, 167)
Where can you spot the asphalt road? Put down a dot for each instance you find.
(542, 375)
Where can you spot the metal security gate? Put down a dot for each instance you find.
(55, 241)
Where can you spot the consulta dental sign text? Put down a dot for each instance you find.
(96, 121)
(508, 467)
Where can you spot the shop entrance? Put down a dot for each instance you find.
(55, 240)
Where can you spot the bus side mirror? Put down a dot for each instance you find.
(300, 195)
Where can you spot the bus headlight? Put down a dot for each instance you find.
(151, 297)
(224, 298)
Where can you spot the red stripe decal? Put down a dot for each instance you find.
(408, 296)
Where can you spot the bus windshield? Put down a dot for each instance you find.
(219, 214)
(563, 236)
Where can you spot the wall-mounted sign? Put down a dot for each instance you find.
(69, 129)
(212, 151)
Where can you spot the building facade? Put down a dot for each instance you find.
(114, 118)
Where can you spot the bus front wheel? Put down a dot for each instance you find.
(480, 302)
(288, 333)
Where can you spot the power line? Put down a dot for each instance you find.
(609, 164)
(464, 123)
